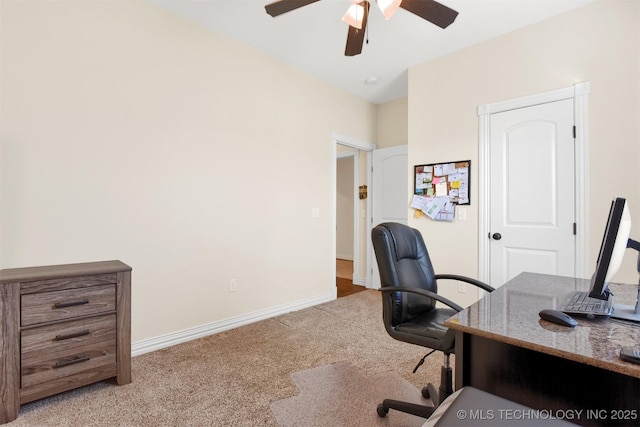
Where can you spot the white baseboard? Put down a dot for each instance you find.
(168, 340)
(357, 280)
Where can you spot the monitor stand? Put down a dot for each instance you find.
(629, 312)
(626, 312)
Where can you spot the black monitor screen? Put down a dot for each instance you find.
(612, 248)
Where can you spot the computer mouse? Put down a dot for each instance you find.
(557, 317)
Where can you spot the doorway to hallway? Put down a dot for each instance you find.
(344, 278)
(354, 238)
(384, 193)
(348, 227)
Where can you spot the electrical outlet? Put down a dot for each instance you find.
(233, 285)
(462, 287)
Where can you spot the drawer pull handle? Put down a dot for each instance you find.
(64, 363)
(71, 335)
(71, 303)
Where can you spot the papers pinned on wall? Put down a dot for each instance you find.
(438, 208)
(439, 187)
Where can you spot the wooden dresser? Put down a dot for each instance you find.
(63, 326)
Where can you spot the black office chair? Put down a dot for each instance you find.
(409, 294)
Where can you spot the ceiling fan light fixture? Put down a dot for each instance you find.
(388, 7)
(354, 15)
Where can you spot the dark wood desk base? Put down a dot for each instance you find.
(545, 382)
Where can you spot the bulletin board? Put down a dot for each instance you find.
(438, 187)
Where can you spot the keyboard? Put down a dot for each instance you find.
(579, 302)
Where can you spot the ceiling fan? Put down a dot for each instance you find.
(358, 13)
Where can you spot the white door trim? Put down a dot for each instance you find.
(368, 148)
(580, 95)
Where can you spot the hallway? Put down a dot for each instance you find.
(344, 278)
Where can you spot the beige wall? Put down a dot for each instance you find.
(599, 43)
(128, 133)
(345, 208)
(392, 123)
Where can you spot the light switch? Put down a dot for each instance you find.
(462, 214)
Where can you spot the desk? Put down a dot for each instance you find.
(504, 348)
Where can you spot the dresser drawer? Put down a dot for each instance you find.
(62, 327)
(66, 304)
(59, 350)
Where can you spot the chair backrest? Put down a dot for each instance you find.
(403, 260)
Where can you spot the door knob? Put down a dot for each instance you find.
(497, 236)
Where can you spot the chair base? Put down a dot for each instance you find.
(437, 396)
(406, 407)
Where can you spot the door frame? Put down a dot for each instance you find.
(367, 148)
(579, 92)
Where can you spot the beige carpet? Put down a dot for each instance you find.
(342, 395)
(232, 378)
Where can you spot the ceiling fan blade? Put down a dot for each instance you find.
(283, 6)
(355, 37)
(432, 11)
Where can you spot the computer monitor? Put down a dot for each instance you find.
(612, 248)
(615, 241)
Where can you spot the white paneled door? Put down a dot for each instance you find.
(532, 191)
(389, 191)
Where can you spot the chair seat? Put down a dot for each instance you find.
(430, 330)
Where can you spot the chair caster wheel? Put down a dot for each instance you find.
(425, 392)
(382, 411)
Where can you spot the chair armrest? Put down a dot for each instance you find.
(469, 280)
(424, 293)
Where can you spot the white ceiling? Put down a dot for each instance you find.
(313, 37)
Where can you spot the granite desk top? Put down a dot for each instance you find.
(510, 315)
